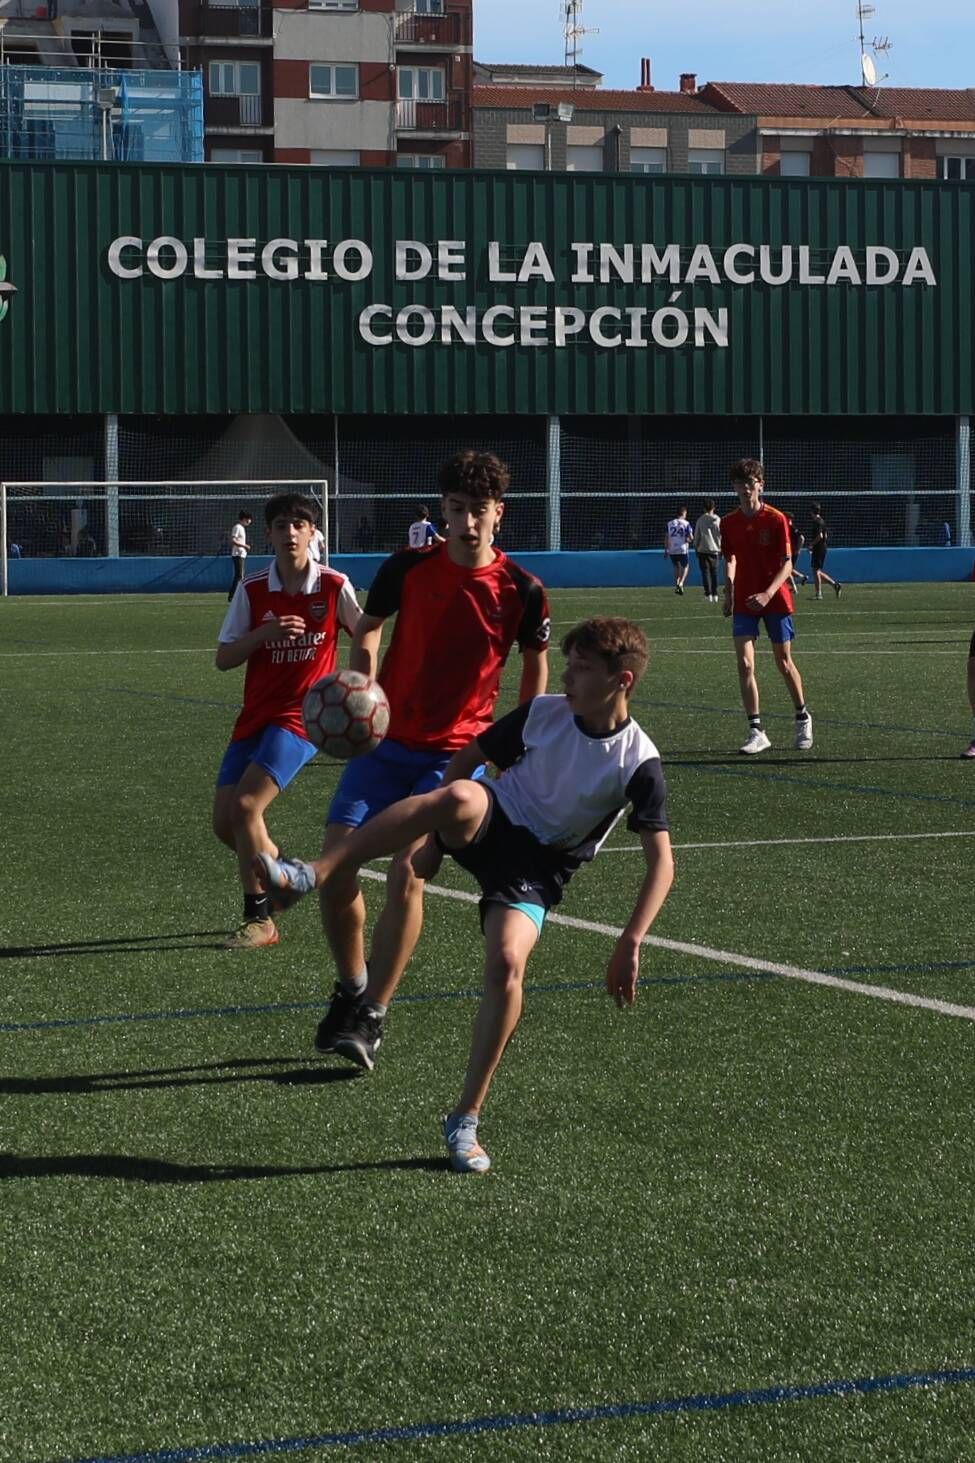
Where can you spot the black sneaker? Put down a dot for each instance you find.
(341, 1010)
(838, 589)
(361, 1038)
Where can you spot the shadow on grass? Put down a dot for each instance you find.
(130, 1168)
(122, 945)
(310, 1073)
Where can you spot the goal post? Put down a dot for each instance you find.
(182, 518)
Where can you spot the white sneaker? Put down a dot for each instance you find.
(804, 736)
(757, 742)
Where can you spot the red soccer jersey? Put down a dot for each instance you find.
(454, 628)
(758, 546)
(281, 671)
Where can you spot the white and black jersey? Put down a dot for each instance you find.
(569, 787)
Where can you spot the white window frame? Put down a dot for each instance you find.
(525, 157)
(346, 5)
(329, 92)
(428, 7)
(966, 167)
(642, 162)
(236, 155)
(423, 160)
(705, 161)
(430, 74)
(236, 69)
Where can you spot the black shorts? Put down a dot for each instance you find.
(971, 649)
(817, 558)
(511, 865)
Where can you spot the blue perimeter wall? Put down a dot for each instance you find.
(557, 571)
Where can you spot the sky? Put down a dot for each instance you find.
(933, 44)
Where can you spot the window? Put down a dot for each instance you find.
(334, 157)
(794, 165)
(648, 159)
(333, 4)
(526, 157)
(341, 83)
(420, 160)
(584, 159)
(705, 160)
(235, 155)
(428, 7)
(422, 83)
(235, 79)
(881, 164)
(958, 167)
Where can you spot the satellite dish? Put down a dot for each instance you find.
(869, 70)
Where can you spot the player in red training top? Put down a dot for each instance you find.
(284, 623)
(459, 607)
(758, 589)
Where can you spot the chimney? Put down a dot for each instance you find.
(645, 82)
(688, 82)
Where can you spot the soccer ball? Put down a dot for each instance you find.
(346, 714)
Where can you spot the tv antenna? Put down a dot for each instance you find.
(574, 30)
(879, 46)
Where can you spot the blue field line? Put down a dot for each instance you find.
(169, 696)
(919, 731)
(558, 1417)
(197, 1013)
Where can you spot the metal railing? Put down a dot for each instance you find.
(448, 115)
(435, 30)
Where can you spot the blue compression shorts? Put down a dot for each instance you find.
(282, 754)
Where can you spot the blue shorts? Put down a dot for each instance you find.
(779, 628)
(385, 776)
(680, 559)
(281, 753)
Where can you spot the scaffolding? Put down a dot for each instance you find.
(49, 113)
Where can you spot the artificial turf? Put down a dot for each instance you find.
(210, 1238)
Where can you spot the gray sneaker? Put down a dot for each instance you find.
(286, 880)
(466, 1153)
(757, 742)
(804, 736)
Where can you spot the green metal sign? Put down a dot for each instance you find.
(193, 289)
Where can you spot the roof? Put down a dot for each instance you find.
(522, 97)
(518, 69)
(786, 99)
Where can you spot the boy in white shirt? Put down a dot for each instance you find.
(677, 540)
(570, 764)
(238, 549)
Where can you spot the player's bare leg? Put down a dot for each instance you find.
(790, 674)
(343, 909)
(238, 821)
(757, 739)
(397, 929)
(510, 937)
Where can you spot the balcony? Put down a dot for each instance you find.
(434, 118)
(234, 112)
(432, 32)
(230, 19)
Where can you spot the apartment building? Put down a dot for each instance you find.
(339, 83)
(855, 132)
(532, 123)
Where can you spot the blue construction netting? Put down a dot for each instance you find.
(50, 112)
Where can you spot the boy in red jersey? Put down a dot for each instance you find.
(284, 623)
(758, 589)
(459, 607)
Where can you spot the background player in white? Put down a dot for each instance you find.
(421, 533)
(238, 549)
(677, 542)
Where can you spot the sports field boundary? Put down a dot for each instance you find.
(559, 1417)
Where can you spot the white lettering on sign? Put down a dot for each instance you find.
(610, 268)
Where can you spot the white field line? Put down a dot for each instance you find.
(727, 957)
(777, 842)
(76, 654)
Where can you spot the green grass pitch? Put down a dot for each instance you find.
(210, 1238)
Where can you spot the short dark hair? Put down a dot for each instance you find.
(422, 510)
(745, 468)
(475, 475)
(709, 505)
(620, 643)
(245, 513)
(295, 505)
(816, 508)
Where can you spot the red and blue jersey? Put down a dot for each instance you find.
(279, 672)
